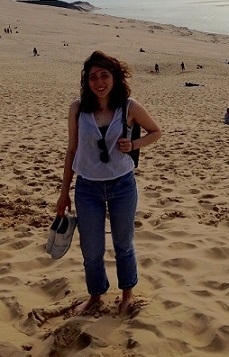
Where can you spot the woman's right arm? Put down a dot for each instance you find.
(64, 200)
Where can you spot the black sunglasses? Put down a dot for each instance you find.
(104, 157)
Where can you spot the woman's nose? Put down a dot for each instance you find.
(99, 80)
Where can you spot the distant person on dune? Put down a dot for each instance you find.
(182, 66)
(226, 117)
(156, 68)
(35, 51)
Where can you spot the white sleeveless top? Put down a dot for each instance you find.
(87, 161)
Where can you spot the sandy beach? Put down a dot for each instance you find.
(182, 221)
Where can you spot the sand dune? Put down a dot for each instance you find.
(182, 220)
(77, 5)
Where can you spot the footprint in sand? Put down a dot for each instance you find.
(167, 201)
(12, 302)
(140, 324)
(194, 191)
(216, 345)
(168, 304)
(69, 338)
(152, 194)
(208, 196)
(204, 293)
(180, 263)
(21, 243)
(218, 253)
(146, 262)
(67, 334)
(5, 268)
(182, 245)
(216, 285)
(198, 323)
(176, 277)
(224, 329)
(224, 306)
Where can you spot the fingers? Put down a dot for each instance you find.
(60, 211)
(125, 145)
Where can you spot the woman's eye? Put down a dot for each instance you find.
(105, 76)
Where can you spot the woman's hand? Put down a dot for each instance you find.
(125, 145)
(63, 203)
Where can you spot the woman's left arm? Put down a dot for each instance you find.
(138, 114)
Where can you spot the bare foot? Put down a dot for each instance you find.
(127, 302)
(85, 305)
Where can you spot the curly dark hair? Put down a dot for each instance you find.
(121, 89)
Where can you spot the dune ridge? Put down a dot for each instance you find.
(182, 219)
(76, 5)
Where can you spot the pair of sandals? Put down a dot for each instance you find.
(60, 235)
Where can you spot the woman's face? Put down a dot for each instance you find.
(101, 81)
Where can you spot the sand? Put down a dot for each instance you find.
(182, 221)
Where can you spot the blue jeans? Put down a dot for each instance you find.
(92, 199)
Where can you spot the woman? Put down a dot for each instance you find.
(105, 179)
